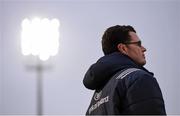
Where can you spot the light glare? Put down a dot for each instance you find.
(40, 37)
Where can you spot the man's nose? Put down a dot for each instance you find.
(143, 49)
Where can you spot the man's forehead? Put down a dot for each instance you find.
(134, 36)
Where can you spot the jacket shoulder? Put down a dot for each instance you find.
(138, 76)
(143, 94)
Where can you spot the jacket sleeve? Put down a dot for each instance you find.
(144, 95)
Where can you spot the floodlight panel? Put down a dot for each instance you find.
(40, 37)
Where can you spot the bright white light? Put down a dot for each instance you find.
(40, 37)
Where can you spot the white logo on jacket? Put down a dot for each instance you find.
(97, 95)
(98, 103)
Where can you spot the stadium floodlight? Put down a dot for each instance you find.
(40, 37)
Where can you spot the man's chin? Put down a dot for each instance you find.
(144, 62)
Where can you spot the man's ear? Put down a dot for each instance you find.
(122, 48)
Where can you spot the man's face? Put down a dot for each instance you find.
(135, 51)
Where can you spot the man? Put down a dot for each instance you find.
(122, 85)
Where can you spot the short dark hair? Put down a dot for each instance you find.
(115, 35)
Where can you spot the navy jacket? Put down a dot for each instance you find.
(136, 93)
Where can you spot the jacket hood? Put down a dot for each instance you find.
(100, 72)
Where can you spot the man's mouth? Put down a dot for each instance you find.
(144, 56)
